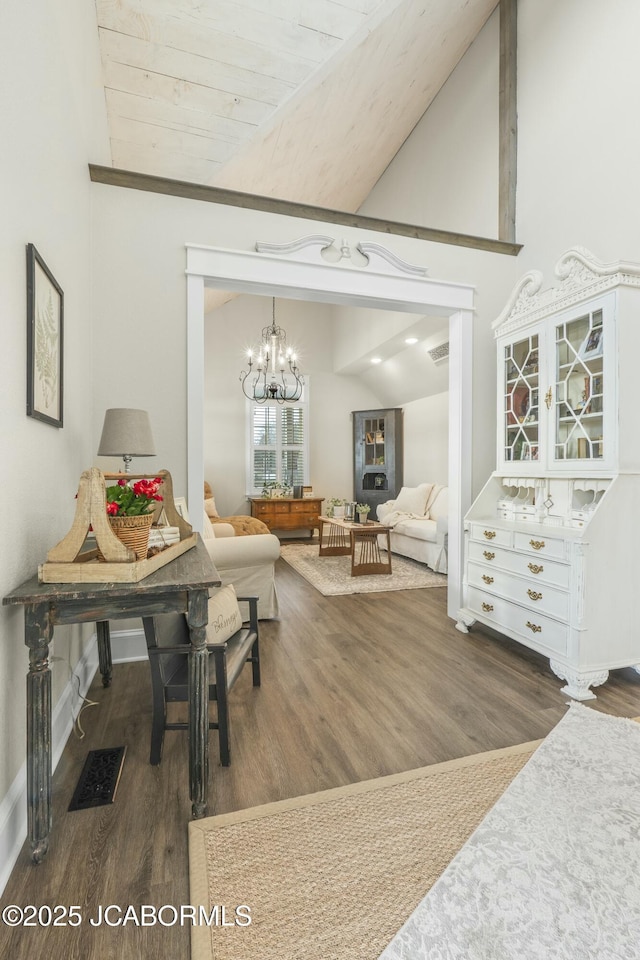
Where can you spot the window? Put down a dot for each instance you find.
(278, 443)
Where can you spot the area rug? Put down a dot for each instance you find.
(536, 851)
(552, 871)
(333, 875)
(332, 575)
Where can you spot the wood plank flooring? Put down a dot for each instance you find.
(354, 687)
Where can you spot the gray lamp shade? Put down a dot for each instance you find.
(126, 433)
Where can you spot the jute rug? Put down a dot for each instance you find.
(333, 875)
(332, 575)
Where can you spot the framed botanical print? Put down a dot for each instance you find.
(45, 324)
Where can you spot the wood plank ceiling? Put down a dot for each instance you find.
(304, 100)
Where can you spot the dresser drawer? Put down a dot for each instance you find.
(541, 598)
(538, 569)
(309, 507)
(541, 545)
(532, 628)
(270, 508)
(485, 533)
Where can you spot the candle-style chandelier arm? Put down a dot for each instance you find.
(273, 356)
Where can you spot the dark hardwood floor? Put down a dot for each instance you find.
(354, 687)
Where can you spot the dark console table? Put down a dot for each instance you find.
(181, 586)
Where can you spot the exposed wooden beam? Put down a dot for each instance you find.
(508, 110)
(234, 198)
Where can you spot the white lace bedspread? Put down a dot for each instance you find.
(553, 871)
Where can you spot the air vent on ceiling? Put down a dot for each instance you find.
(439, 353)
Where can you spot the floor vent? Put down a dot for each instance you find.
(439, 353)
(99, 778)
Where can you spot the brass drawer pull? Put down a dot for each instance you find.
(533, 595)
(535, 568)
(534, 627)
(487, 607)
(489, 534)
(486, 578)
(488, 555)
(537, 544)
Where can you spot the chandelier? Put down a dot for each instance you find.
(273, 372)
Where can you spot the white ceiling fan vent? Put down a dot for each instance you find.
(439, 353)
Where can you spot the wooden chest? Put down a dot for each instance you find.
(287, 513)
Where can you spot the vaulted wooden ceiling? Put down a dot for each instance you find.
(304, 100)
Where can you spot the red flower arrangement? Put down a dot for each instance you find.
(132, 500)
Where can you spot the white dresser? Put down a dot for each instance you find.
(552, 553)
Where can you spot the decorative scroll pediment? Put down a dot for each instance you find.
(319, 248)
(581, 276)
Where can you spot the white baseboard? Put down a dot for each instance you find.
(126, 645)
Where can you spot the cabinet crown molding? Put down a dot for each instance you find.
(581, 276)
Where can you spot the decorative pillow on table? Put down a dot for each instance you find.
(225, 618)
(413, 499)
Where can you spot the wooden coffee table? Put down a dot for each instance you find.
(357, 540)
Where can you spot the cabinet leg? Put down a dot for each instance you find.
(464, 622)
(578, 682)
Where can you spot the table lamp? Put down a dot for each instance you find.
(126, 433)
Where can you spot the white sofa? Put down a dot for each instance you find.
(418, 518)
(248, 562)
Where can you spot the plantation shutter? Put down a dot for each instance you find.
(278, 444)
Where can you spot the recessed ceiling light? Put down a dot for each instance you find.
(411, 340)
(376, 359)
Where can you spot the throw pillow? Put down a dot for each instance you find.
(224, 615)
(210, 507)
(440, 506)
(413, 499)
(435, 493)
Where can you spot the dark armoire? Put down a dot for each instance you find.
(377, 456)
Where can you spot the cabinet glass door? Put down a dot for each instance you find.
(373, 441)
(578, 405)
(521, 399)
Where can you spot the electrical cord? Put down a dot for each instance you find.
(86, 702)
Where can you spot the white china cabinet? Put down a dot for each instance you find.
(551, 546)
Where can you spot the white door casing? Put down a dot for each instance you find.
(319, 268)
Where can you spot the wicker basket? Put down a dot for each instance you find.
(134, 532)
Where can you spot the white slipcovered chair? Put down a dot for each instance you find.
(248, 562)
(419, 518)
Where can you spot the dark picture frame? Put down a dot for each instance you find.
(45, 341)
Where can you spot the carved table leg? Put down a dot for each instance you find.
(198, 702)
(104, 651)
(38, 634)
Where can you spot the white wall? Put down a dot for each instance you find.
(229, 331)
(425, 459)
(53, 118)
(579, 142)
(446, 174)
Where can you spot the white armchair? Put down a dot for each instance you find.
(247, 562)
